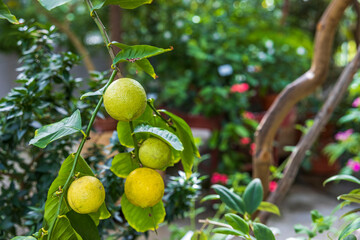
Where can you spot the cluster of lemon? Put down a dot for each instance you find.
(125, 100)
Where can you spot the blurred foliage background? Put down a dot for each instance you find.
(260, 45)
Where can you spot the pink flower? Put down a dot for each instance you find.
(249, 115)
(342, 136)
(219, 178)
(272, 186)
(245, 140)
(356, 102)
(354, 165)
(252, 148)
(239, 88)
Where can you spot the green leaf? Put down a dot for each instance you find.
(52, 132)
(122, 165)
(182, 126)
(269, 207)
(237, 223)
(350, 237)
(126, 4)
(124, 134)
(355, 225)
(138, 52)
(24, 238)
(165, 135)
(303, 229)
(232, 200)
(184, 132)
(142, 219)
(210, 197)
(144, 64)
(350, 197)
(53, 199)
(123, 128)
(227, 231)
(253, 196)
(64, 230)
(96, 93)
(83, 225)
(342, 177)
(262, 232)
(6, 14)
(50, 4)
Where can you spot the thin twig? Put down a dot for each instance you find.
(208, 221)
(159, 115)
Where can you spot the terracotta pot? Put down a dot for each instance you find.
(105, 125)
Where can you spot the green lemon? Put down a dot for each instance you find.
(154, 153)
(86, 195)
(144, 187)
(125, 99)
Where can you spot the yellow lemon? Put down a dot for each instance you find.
(86, 194)
(144, 187)
(125, 99)
(154, 153)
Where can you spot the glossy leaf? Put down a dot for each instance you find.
(122, 165)
(350, 229)
(138, 52)
(262, 232)
(126, 4)
(52, 132)
(83, 225)
(96, 93)
(232, 200)
(184, 132)
(53, 199)
(210, 197)
(144, 64)
(143, 219)
(253, 196)
(269, 207)
(123, 128)
(6, 14)
(227, 231)
(165, 135)
(348, 178)
(237, 223)
(64, 230)
(50, 4)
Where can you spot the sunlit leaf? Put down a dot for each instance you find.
(122, 165)
(269, 207)
(50, 4)
(96, 93)
(355, 225)
(142, 219)
(342, 177)
(126, 4)
(6, 14)
(138, 52)
(52, 132)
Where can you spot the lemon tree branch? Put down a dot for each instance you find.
(77, 154)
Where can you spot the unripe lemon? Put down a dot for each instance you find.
(86, 194)
(125, 99)
(144, 187)
(155, 153)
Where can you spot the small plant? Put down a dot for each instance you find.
(239, 222)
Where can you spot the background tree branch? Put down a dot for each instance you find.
(297, 90)
(322, 118)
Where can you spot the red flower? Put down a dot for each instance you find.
(245, 140)
(252, 148)
(249, 115)
(219, 178)
(272, 186)
(239, 88)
